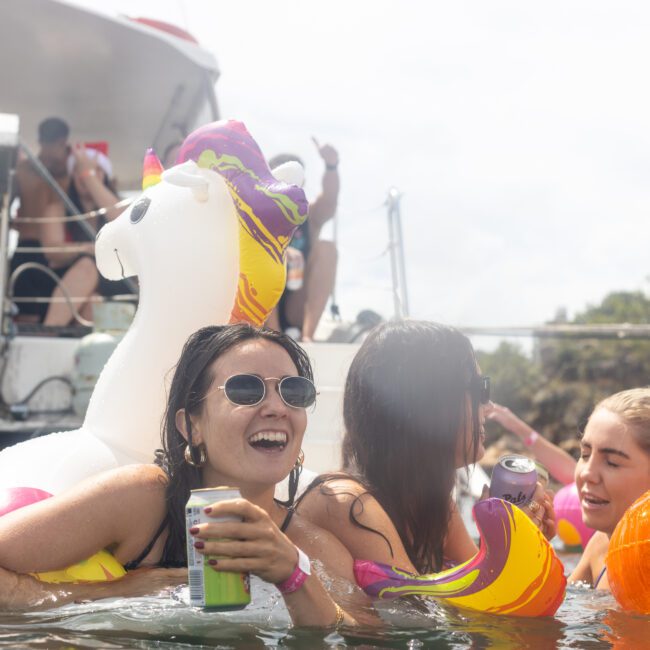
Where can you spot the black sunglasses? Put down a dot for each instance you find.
(250, 390)
(480, 389)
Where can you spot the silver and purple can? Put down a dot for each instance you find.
(210, 589)
(514, 478)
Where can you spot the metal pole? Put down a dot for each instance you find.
(334, 306)
(401, 259)
(391, 201)
(4, 253)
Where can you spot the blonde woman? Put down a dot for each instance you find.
(613, 471)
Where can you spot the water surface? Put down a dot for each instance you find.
(587, 619)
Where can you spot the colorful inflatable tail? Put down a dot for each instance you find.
(515, 572)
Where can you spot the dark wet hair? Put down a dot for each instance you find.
(52, 129)
(190, 384)
(405, 406)
(282, 158)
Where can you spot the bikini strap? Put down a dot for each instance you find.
(600, 576)
(287, 519)
(133, 564)
(291, 510)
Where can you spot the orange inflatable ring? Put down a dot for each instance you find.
(628, 558)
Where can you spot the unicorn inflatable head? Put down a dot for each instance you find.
(206, 240)
(246, 214)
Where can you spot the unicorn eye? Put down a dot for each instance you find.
(140, 209)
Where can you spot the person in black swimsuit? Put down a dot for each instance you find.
(235, 416)
(89, 187)
(303, 307)
(35, 197)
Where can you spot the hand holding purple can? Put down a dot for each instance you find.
(514, 479)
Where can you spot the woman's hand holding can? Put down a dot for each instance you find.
(254, 544)
(540, 511)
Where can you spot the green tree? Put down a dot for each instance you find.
(557, 392)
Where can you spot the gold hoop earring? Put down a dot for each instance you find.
(188, 454)
(300, 460)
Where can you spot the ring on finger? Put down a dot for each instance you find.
(533, 506)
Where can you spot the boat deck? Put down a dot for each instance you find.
(33, 359)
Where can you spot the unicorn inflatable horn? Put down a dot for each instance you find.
(206, 240)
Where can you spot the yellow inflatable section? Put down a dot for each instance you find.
(100, 567)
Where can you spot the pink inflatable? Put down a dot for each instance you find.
(570, 528)
(18, 497)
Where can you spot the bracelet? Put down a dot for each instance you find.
(339, 616)
(298, 577)
(332, 168)
(531, 439)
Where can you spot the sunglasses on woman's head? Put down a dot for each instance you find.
(250, 390)
(480, 389)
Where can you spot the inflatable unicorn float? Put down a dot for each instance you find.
(209, 232)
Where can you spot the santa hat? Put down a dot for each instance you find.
(98, 157)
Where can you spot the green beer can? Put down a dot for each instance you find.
(210, 589)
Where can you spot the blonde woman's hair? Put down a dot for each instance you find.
(633, 407)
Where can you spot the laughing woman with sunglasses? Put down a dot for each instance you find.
(414, 408)
(235, 417)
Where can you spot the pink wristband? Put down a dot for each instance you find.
(298, 577)
(531, 439)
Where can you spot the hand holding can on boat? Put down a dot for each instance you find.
(514, 479)
(209, 588)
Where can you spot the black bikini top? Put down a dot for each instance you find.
(134, 564)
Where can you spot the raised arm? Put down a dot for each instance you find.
(558, 462)
(92, 177)
(323, 208)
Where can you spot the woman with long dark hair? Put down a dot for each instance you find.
(235, 417)
(414, 407)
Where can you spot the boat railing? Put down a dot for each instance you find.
(8, 282)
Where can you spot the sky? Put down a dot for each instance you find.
(517, 132)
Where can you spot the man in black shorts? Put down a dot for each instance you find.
(36, 199)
